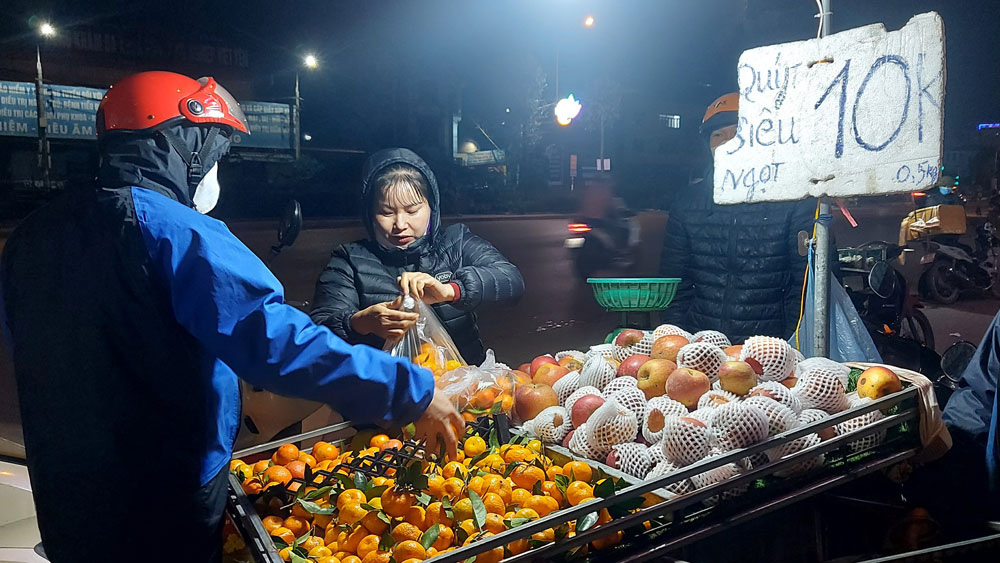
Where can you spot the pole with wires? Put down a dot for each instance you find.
(821, 345)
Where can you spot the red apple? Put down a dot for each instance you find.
(686, 386)
(737, 377)
(631, 365)
(827, 433)
(565, 442)
(531, 399)
(734, 351)
(666, 347)
(548, 374)
(629, 337)
(583, 408)
(571, 363)
(655, 421)
(693, 421)
(653, 377)
(612, 459)
(525, 367)
(790, 382)
(539, 362)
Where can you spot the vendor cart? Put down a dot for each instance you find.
(670, 522)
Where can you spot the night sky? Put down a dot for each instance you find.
(672, 51)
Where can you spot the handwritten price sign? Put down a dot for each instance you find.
(855, 113)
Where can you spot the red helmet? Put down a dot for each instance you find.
(147, 99)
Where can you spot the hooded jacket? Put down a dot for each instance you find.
(364, 273)
(741, 273)
(129, 316)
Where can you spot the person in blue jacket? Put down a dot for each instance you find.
(130, 314)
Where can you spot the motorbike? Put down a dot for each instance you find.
(603, 246)
(882, 297)
(951, 267)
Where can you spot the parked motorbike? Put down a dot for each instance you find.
(883, 299)
(951, 267)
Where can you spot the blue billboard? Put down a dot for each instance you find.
(72, 114)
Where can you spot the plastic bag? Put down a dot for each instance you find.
(481, 390)
(427, 343)
(849, 339)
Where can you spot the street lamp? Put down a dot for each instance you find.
(310, 62)
(45, 30)
(589, 21)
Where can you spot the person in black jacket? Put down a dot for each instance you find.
(358, 295)
(740, 269)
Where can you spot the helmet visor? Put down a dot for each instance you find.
(232, 106)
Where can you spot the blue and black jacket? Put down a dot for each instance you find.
(130, 317)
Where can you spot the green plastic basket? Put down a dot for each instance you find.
(634, 294)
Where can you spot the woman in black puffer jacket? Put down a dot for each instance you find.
(407, 252)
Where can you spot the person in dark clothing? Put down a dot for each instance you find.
(740, 269)
(129, 315)
(407, 252)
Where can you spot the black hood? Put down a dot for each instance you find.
(375, 164)
(146, 159)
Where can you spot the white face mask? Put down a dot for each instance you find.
(206, 195)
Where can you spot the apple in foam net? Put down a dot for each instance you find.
(533, 398)
(571, 363)
(569, 436)
(737, 377)
(539, 362)
(652, 379)
(548, 374)
(630, 367)
(686, 386)
(628, 337)
(583, 408)
(667, 347)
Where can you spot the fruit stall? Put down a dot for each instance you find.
(625, 452)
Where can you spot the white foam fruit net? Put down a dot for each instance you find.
(826, 366)
(581, 391)
(666, 467)
(822, 391)
(737, 425)
(611, 424)
(793, 447)
(596, 372)
(664, 330)
(575, 354)
(620, 383)
(714, 398)
(859, 422)
(644, 346)
(716, 475)
(780, 393)
(565, 386)
(603, 350)
(579, 443)
(684, 442)
(702, 356)
(621, 354)
(811, 416)
(633, 459)
(631, 398)
(551, 425)
(657, 410)
(797, 356)
(713, 337)
(771, 353)
(780, 418)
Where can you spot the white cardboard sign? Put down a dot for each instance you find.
(856, 113)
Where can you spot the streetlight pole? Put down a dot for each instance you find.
(296, 122)
(44, 154)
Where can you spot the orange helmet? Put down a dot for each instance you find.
(723, 112)
(149, 99)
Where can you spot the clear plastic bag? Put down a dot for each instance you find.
(481, 390)
(427, 343)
